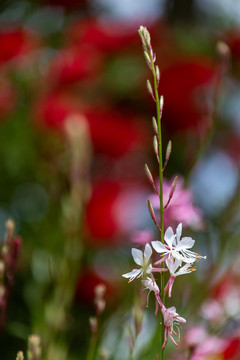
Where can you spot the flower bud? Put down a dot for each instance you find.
(34, 347)
(155, 126)
(93, 324)
(20, 356)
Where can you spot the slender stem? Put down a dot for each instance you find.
(162, 353)
(92, 347)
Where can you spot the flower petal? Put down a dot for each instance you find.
(173, 265)
(133, 274)
(159, 247)
(147, 253)
(137, 256)
(179, 231)
(185, 243)
(169, 236)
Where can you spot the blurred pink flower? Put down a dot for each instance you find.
(211, 347)
(142, 237)
(195, 335)
(180, 208)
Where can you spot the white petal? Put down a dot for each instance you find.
(137, 256)
(184, 270)
(173, 265)
(149, 269)
(169, 236)
(147, 253)
(181, 319)
(185, 243)
(159, 247)
(133, 274)
(179, 231)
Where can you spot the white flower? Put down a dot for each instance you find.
(172, 267)
(176, 247)
(141, 259)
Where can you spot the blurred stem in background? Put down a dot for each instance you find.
(58, 308)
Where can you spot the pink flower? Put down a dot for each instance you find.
(171, 318)
(180, 208)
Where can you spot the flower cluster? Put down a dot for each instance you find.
(178, 260)
(173, 249)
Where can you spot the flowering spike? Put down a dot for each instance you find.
(20, 356)
(150, 90)
(34, 347)
(151, 211)
(157, 74)
(174, 184)
(155, 126)
(155, 146)
(150, 178)
(168, 152)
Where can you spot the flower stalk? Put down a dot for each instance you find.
(151, 57)
(175, 256)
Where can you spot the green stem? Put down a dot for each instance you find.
(92, 347)
(162, 353)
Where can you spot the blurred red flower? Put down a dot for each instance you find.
(101, 220)
(108, 36)
(52, 110)
(184, 86)
(113, 133)
(232, 350)
(233, 41)
(74, 64)
(87, 282)
(15, 42)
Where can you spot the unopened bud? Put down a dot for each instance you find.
(169, 149)
(149, 88)
(155, 146)
(34, 347)
(10, 227)
(168, 152)
(100, 304)
(93, 324)
(151, 211)
(157, 74)
(155, 126)
(20, 356)
(223, 49)
(174, 184)
(148, 173)
(104, 354)
(150, 178)
(100, 291)
(161, 102)
(148, 60)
